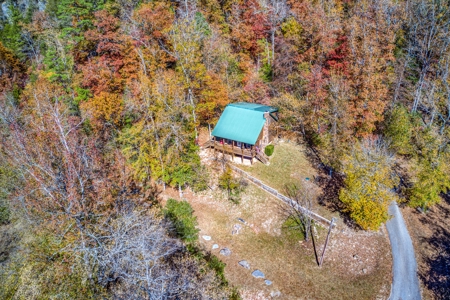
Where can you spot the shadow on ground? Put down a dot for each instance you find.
(437, 276)
(331, 183)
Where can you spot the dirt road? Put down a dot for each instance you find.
(405, 284)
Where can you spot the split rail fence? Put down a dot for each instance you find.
(282, 197)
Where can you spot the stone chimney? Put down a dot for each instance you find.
(265, 137)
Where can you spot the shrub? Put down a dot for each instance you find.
(8, 181)
(218, 266)
(180, 213)
(269, 150)
(212, 262)
(200, 179)
(230, 184)
(266, 73)
(4, 214)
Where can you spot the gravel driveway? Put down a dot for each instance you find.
(405, 284)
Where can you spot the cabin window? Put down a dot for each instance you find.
(239, 144)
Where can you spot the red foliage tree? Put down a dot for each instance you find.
(115, 63)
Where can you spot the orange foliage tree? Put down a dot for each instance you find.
(11, 69)
(60, 166)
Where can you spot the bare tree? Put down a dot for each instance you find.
(426, 57)
(136, 259)
(278, 11)
(84, 199)
(301, 207)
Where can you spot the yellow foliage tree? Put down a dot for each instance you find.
(368, 184)
(106, 107)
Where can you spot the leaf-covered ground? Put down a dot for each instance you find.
(430, 233)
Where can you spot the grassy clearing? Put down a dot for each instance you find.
(279, 254)
(288, 164)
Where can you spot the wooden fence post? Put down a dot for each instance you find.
(326, 242)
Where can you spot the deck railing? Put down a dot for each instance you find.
(230, 149)
(237, 151)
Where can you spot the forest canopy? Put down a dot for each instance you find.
(101, 103)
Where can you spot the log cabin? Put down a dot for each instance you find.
(244, 130)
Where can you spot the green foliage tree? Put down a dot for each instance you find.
(368, 184)
(428, 168)
(431, 180)
(181, 215)
(231, 185)
(162, 145)
(399, 130)
(58, 62)
(11, 31)
(75, 17)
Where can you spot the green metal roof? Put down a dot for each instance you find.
(242, 122)
(253, 106)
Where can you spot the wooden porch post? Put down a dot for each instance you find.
(242, 153)
(232, 150)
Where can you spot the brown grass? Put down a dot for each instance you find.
(357, 263)
(290, 264)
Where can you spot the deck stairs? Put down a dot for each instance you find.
(262, 157)
(208, 144)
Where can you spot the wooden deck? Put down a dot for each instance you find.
(233, 150)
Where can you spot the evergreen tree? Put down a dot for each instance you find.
(181, 215)
(432, 180)
(11, 33)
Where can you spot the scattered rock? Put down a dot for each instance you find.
(236, 229)
(355, 256)
(274, 294)
(225, 252)
(241, 220)
(364, 271)
(206, 237)
(258, 274)
(245, 264)
(268, 282)
(215, 246)
(315, 232)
